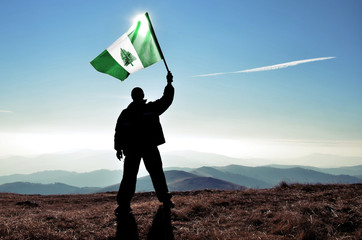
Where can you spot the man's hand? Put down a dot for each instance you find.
(119, 155)
(169, 77)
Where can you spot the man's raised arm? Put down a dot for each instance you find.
(162, 104)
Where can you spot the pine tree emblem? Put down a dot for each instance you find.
(127, 57)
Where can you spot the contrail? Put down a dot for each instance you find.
(267, 68)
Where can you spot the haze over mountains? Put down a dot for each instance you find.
(184, 170)
(98, 178)
(87, 161)
(223, 178)
(44, 189)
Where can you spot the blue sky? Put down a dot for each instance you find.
(51, 98)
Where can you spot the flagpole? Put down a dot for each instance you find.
(156, 41)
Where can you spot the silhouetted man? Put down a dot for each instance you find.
(138, 133)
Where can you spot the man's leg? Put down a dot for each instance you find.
(153, 163)
(127, 187)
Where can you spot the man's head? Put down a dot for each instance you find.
(137, 94)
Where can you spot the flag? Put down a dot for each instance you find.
(133, 51)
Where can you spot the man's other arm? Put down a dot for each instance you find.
(119, 136)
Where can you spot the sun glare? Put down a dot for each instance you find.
(40, 143)
(137, 18)
(263, 148)
(143, 24)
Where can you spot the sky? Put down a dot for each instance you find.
(288, 82)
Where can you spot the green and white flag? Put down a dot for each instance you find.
(133, 51)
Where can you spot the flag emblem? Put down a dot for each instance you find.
(127, 57)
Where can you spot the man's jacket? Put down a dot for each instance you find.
(139, 124)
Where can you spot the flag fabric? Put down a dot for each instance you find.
(133, 51)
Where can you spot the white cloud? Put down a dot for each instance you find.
(5, 111)
(272, 67)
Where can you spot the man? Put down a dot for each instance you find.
(138, 133)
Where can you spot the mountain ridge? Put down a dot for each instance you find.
(97, 178)
(226, 178)
(44, 189)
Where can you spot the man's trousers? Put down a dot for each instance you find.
(153, 163)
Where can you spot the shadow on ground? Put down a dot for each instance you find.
(161, 228)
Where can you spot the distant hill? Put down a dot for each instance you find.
(44, 189)
(183, 181)
(176, 176)
(246, 181)
(274, 176)
(200, 183)
(352, 171)
(99, 178)
(223, 178)
(172, 176)
(145, 184)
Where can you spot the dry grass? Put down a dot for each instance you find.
(285, 212)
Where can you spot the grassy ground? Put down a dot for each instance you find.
(284, 212)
